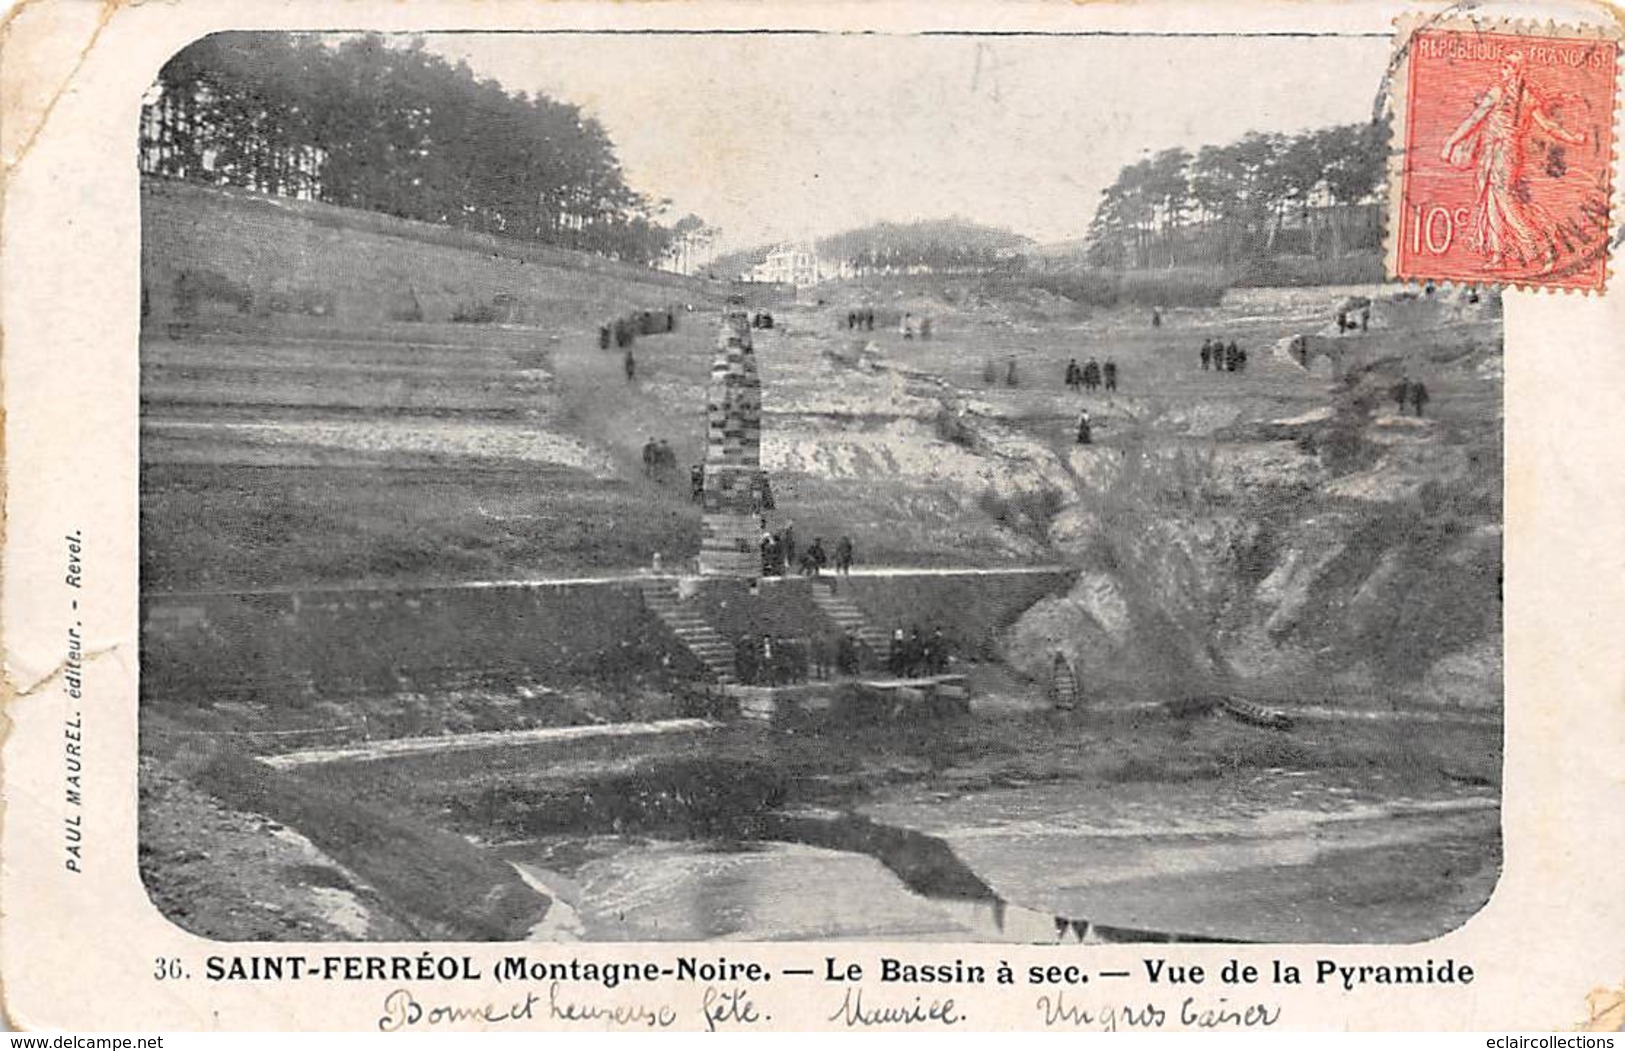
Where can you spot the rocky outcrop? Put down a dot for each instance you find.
(1284, 565)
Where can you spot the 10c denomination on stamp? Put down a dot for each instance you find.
(1504, 154)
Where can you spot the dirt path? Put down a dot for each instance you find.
(444, 743)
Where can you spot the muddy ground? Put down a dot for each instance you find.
(895, 799)
(1280, 533)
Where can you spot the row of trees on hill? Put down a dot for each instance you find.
(941, 246)
(952, 245)
(399, 130)
(1313, 193)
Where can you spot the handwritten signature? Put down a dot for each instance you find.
(852, 1012)
(1192, 1013)
(402, 1010)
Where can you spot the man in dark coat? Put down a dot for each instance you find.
(1402, 393)
(1207, 353)
(846, 655)
(816, 556)
(843, 556)
(1419, 396)
(913, 652)
(1072, 374)
(823, 655)
(747, 662)
(1110, 371)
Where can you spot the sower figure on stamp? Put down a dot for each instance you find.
(1507, 225)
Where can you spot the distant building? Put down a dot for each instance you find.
(790, 265)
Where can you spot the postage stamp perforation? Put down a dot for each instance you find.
(1509, 235)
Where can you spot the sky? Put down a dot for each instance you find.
(790, 137)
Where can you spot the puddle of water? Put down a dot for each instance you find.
(1333, 856)
(1335, 861)
(682, 891)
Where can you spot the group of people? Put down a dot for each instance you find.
(861, 319)
(761, 319)
(1410, 392)
(1222, 357)
(659, 460)
(913, 655)
(776, 660)
(779, 554)
(1091, 375)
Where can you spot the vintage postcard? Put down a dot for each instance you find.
(1005, 516)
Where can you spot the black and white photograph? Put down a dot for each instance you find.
(938, 487)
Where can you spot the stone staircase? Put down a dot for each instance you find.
(846, 614)
(702, 640)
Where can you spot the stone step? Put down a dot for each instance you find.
(698, 637)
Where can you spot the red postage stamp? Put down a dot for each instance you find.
(1503, 168)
